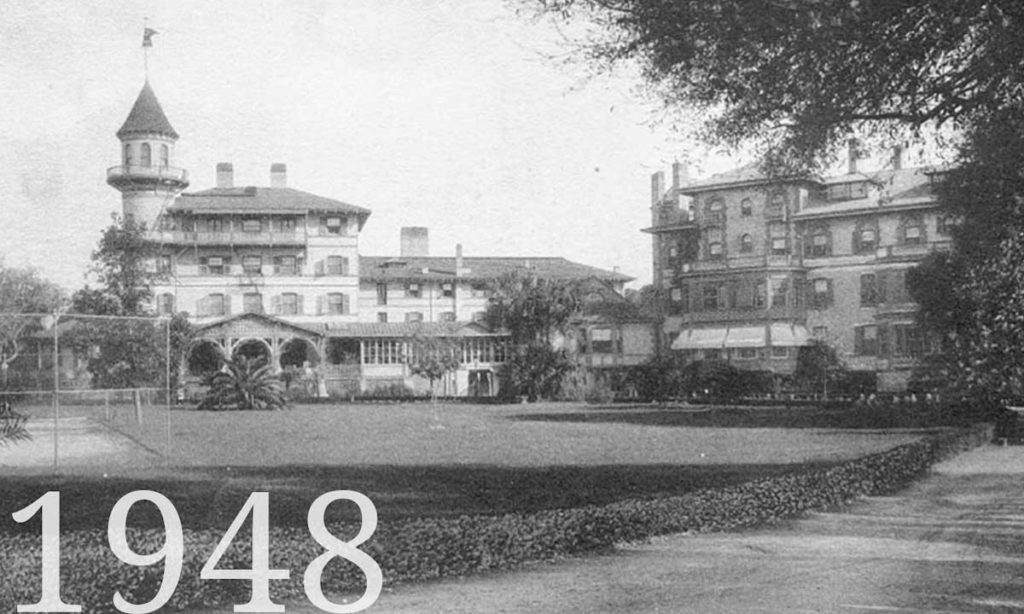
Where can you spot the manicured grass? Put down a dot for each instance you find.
(421, 460)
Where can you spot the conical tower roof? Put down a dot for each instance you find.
(146, 117)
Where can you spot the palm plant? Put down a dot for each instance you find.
(244, 384)
(12, 425)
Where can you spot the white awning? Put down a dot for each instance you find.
(700, 339)
(789, 335)
(746, 337)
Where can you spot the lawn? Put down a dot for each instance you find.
(414, 459)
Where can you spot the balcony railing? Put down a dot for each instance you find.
(123, 172)
(229, 238)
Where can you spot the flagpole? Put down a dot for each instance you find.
(145, 48)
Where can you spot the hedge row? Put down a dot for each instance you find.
(421, 549)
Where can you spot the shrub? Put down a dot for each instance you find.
(421, 549)
(599, 392)
(246, 384)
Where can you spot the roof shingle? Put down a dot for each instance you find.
(485, 268)
(146, 117)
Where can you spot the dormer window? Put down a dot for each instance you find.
(147, 155)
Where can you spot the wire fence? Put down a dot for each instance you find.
(77, 392)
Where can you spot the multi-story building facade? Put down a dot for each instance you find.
(753, 268)
(276, 272)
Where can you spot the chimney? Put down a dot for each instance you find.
(657, 187)
(897, 157)
(278, 175)
(851, 151)
(225, 175)
(460, 268)
(680, 175)
(415, 242)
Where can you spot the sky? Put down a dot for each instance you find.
(456, 115)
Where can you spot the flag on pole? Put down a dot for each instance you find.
(147, 37)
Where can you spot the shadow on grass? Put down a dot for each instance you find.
(210, 498)
(751, 417)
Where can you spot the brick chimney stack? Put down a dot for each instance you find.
(225, 175)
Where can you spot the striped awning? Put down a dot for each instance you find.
(700, 339)
(746, 337)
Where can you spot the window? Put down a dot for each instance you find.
(252, 225)
(712, 354)
(478, 290)
(716, 212)
(745, 353)
(676, 295)
(128, 161)
(252, 302)
(821, 293)
(780, 292)
(333, 225)
(382, 293)
(285, 265)
(710, 293)
(164, 264)
(780, 351)
(760, 294)
(382, 317)
(337, 303)
(479, 316)
(892, 285)
(776, 202)
(746, 208)
(865, 239)
(746, 244)
(165, 304)
(779, 242)
(216, 305)
(252, 265)
(714, 240)
(820, 332)
(911, 341)
(214, 265)
(147, 155)
(446, 316)
(285, 224)
(337, 265)
(165, 156)
(447, 290)
(602, 341)
(946, 223)
(412, 290)
(866, 340)
(848, 191)
(913, 230)
(215, 225)
(870, 294)
(819, 243)
(414, 316)
(289, 305)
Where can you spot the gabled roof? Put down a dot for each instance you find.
(266, 319)
(146, 117)
(750, 174)
(263, 200)
(426, 268)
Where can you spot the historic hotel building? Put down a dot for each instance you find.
(276, 272)
(752, 269)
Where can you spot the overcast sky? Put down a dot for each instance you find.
(445, 114)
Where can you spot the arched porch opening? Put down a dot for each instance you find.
(205, 357)
(253, 350)
(296, 352)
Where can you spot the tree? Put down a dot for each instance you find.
(433, 358)
(794, 78)
(130, 350)
(24, 295)
(531, 308)
(818, 367)
(123, 264)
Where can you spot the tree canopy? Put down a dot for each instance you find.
(531, 308)
(22, 291)
(795, 77)
(123, 263)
